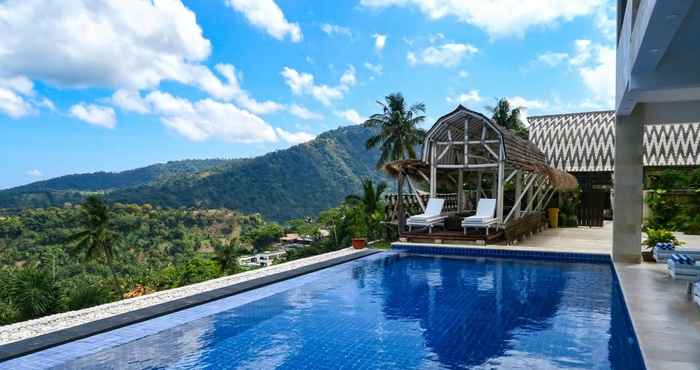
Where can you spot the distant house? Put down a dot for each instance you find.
(261, 259)
(296, 239)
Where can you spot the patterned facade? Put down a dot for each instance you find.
(585, 142)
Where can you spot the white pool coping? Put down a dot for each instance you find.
(48, 324)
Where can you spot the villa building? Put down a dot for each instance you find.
(583, 144)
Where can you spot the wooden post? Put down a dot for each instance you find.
(518, 191)
(460, 191)
(433, 172)
(501, 185)
(400, 211)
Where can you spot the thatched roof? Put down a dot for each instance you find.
(518, 152)
(560, 180)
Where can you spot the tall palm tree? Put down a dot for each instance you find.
(399, 133)
(371, 202)
(398, 136)
(509, 118)
(97, 239)
(227, 255)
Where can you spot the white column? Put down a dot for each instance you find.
(627, 229)
(518, 190)
(433, 171)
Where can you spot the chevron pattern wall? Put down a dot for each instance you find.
(585, 142)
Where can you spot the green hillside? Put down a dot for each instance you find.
(290, 183)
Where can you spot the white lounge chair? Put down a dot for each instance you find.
(696, 293)
(662, 251)
(683, 267)
(484, 217)
(432, 216)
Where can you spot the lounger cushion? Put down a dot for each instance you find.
(478, 220)
(426, 219)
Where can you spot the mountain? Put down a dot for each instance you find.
(295, 182)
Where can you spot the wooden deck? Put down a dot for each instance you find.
(452, 236)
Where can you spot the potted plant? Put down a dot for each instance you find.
(655, 236)
(359, 242)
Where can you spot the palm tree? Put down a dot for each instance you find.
(508, 118)
(97, 238)
(398, 135)
(370, 201)
(227, 255)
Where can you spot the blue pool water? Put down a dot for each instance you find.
(387, 311)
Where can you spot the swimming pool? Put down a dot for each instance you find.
(386, 311)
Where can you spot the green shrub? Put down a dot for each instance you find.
(199, 269)
(660, 236)
(85, 294)
(34, 292)
(9, 313)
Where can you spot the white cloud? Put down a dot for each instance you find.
(552, 59)
(351, 116)
(303, 84)
(18, 98)
(294, 137)
(446, 55)
(94, 114)
(582, 54)
(122, 44)
(207, 118)
(374, 68)
(129, 101)
(379, 41)
(599, 77)
(334, 29)
(527, 104)
(304, 113)
(34, 173)
(463, 74)
(13, 104)
(470, 97)
(265, 14)
(498, 17)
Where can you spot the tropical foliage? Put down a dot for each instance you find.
(509, 117)
(673, 197)
(371, 206)
(398, 129)
(297, 182)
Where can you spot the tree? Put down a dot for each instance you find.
(371, 204)
(398, 136)
(34, 292)
(399, 133)
(509, 118)
(227, 255)
(265, 235)
(97, 239)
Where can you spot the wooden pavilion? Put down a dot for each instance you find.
(465, 147)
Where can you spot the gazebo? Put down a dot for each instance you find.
(466, 147)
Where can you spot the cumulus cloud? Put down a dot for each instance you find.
(129, 101)
(527, 104)
(302, 83)
(599, 77)
(470, 97)
(294, 137)
(304, 113)
(94, 114)
(446, 55)
(208, 118)
(552, 59)
(498, 17)
(374, 68)
(334, 29)
(34, 173)
(13, 104)
(266, 15)
(121, 44)
(379, 41)
(18, 98)
(351, 116)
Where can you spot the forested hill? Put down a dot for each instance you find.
(294, 182)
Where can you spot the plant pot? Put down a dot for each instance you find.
(359, 243)
(648, 256)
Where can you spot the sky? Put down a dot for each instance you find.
(110, 85)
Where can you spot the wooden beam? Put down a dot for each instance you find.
(433, 172)
(415, 191)
(460, 191)
(519, 199)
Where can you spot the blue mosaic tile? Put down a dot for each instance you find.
(392, 310)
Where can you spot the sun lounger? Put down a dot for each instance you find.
(484, 217)
(432, 216)
(662, 251)
(683, 267)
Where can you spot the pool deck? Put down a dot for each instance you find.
(666, 320)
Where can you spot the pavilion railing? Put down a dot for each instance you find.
(412, 206)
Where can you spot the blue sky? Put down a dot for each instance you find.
(90, 85)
